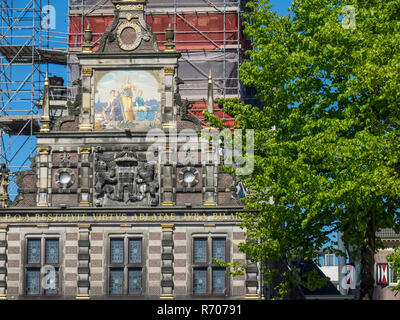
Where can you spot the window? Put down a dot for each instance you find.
(393, 276)
(209, 278)
(125, 268)
(42, 266)
(327, 259)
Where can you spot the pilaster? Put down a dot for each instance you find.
(83, 262)
(167, 262)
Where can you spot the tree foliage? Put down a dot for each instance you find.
(327, 146)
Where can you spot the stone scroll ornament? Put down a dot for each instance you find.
(123, 180)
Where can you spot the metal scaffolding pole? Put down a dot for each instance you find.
(26, 50)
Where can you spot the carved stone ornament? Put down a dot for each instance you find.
(121, 179)
(188, 177)
(126, 32)
(64, 178)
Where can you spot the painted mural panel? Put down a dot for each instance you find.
(127, 99)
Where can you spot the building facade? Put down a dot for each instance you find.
(123, 200)
(385, 274)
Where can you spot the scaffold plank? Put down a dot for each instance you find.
(30, 54)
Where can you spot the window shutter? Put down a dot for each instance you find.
(382, 274)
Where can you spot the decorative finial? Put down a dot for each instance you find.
(4, 183)
(45, 119)
(169, 35)
(210, 94)
(47, 80)
(88, 36)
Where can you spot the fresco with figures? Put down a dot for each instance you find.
(127, 99)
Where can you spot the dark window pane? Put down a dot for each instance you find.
(33, 281)
(116, 281)
(34, 251)
(218, 280)
(331, 257)
(135, 250)
(117, 251)
(135, 281)
(200, 250)
(200, 281)
(218, 247)
(51, 281)
(393, 275)
(52, 251)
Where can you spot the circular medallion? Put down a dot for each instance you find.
(189, 177)
(129, 35)
(64, 178)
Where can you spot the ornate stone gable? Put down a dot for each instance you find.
(129, 32)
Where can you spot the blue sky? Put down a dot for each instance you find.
(281, 6)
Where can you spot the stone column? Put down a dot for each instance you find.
(168, 177)
(84, 176)
(168, 98)
(44, 174)
(85, 123)
(210, 172)
(167, 261)
(83, 262)
(3, 261)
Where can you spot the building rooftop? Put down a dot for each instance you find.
(387, 233)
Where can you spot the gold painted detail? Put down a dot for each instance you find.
(43, 204)
(252, 296)
(167, 297)
(3, 297)
(42, 226)
(169, 71)
(85, 150)
(84, 204)
(129, 7)
(167, 227)
(82, 297)
(168, 126)
(167, 203)
(120, 218)
(87, 72)
(44, 149)
(84, 227)
(210, 203)
(85, 127)
(45, 125)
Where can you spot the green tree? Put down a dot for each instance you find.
(327, 146)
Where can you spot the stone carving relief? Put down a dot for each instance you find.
(121, 179)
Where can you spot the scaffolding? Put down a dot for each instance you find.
(27, 48)
(208, 33)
